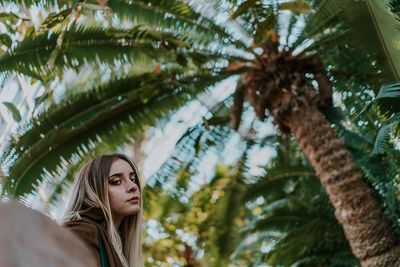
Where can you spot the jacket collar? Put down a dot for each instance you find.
(95, 214)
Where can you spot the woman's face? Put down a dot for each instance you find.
(123, 189)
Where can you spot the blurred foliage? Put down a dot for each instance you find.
(132, 64)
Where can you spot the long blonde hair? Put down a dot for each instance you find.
(91, 190)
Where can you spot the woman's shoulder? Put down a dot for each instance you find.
(87, 231)
(81, 222)
(84, 228)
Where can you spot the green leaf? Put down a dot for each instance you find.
(388, 98)
(40, 3)
(82, 120)
(185, 148)
(243, 8)
(4, 15)
(198, 59)
(265, 28)
(375, 30)
(174, 16)
(382, 140)
(5, 40)
(84, 46)
(182, 60)
(94, 6)
(46, 96)
(316, 22)
(276, 180)
(389, 91)
(14, 111)
(12, 17)
(53, 19)
(219, 120)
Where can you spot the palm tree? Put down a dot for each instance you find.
(279, 50)
(295, 219)
(290, 220)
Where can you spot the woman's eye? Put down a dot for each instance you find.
(115, 182)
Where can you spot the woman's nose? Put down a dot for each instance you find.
(131, 186)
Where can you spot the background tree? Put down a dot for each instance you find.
(272, 213)
(273, 46)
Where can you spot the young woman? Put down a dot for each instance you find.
(105, 210)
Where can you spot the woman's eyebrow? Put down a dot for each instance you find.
(115, 174)
(121, 174)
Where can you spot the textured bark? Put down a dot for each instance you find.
(369, 234)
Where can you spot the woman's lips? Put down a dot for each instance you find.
(133, 199)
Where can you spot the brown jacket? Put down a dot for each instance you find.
(85, 228)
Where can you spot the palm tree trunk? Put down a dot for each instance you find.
(368, 232)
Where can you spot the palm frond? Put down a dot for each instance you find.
(382, 140)
(345, 259)
(277, 180)
(329, 40)
(324, 16)
(194, 144)
(294, 18)
(287, 251)
(38, 54)
(387, 103)
(253, 242)
(228, 210)
(280, 224)
(350, 22)
(176, 16)
(389, 91)
(388, 98)
(33, 2)
(74, 127)
(227, 213)
(383, 41)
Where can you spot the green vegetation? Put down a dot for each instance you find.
(147, 59)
